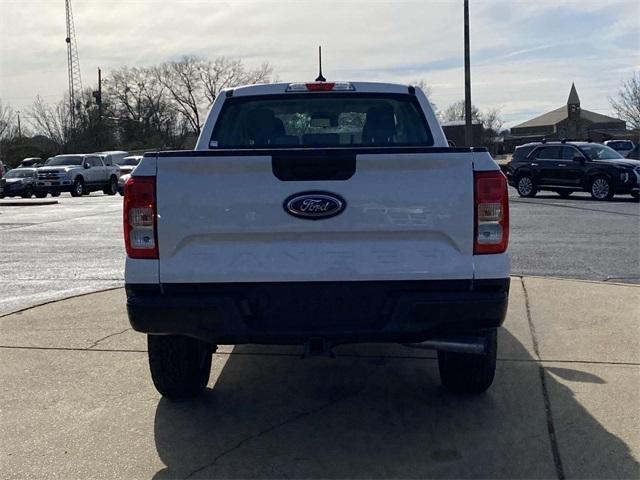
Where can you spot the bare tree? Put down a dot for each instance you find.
(140, 106)
(492, 121)
(455, 112)
(52, 121)
(627, 104)
(422, 85)
(148, 106)
(182, 80)
(224, 73)
(7, 119)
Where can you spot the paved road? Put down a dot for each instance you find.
(576, 237)
(51, 252)
(55, 251)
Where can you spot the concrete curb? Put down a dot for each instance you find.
(56, 300)
(28, 203)
(582, 280)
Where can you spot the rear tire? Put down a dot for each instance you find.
(180, 366)
(112, 188)
(526, 187)
(467, 373)
(635, 195)
(78, 187)
(601, 188)
(55, 194)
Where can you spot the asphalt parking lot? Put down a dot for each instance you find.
(54, 251)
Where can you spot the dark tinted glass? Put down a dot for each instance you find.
(129, 162)
(569, 152)
(600, 152)
(20, 173)
(551, 153)
(321, 120)
(522, 152)
(63, 160)
(620, 145)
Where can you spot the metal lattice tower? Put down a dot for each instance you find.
(73, 64)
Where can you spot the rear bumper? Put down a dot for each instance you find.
(14, 190)
(338, 312)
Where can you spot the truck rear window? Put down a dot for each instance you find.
(321, 120)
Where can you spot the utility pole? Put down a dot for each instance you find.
(468, 130)
(99, 97)
(97, 94)
(19, 128)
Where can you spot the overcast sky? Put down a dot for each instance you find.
(524, 54)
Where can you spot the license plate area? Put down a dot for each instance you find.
(309, 307)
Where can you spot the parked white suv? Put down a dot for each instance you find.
(318, 214)
(78, 174)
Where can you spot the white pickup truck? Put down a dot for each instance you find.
(78, 174)
(318, 214)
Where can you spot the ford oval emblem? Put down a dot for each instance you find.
(314, 205)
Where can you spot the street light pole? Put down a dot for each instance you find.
(468, 133)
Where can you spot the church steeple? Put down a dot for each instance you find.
(573, 96)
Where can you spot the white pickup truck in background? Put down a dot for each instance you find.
(78, 174)
(318, 214)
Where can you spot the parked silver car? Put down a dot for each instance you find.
(623, 147)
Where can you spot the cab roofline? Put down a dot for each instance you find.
(280, 88)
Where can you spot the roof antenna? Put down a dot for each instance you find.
(320, 77)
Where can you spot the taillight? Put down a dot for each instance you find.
(491, 213)
(140, 226)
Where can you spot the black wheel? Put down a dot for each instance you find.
(635, 195)
(564, 193)
(78, 187)
(600, 188)
(27, 192)
(41, 194)
(526, 187)
(55, 194)
(112, 188)
(468, 373)
(180, 366)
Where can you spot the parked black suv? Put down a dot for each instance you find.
(566, 167)
(20, 182)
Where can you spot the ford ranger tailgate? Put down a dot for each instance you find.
(223, 217)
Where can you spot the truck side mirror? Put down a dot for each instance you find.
(86, 165)
(578, 158)
(451, 144)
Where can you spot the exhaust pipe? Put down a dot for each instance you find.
(459, 344)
